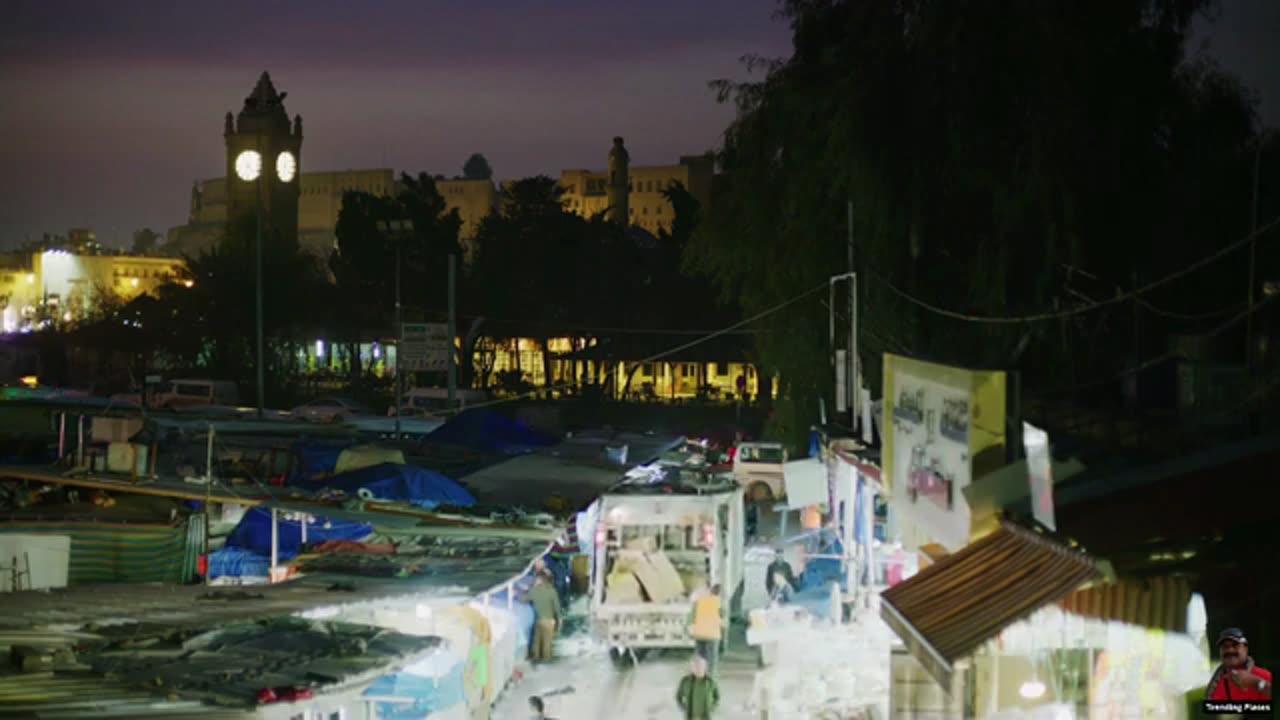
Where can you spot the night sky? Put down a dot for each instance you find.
(112, 109)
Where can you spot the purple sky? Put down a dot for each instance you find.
(115, 107)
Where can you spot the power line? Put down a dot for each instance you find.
(1187, 316)
(1060, 314)
(1235, 320)
(658, 356)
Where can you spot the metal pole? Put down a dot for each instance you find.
(399, 344)
(453, 331)
(208, 491)
(258, 290)
(275, 543)
(855, 387)
(855, 381)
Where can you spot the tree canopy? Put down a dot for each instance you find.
(477, 168)
(995, 155)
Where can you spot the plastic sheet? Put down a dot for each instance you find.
(254, 533)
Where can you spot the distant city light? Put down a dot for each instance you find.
(66, 316)
(319, 348)
(31, 278)
(377, 351)
(189, 283)
(133, 282)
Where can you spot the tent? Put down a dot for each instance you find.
(254, 533)
(409, 483)
(486, 430)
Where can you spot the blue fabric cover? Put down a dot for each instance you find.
(316, 459)
(238, 562)
(254, 533)
(409, 483)
(440, 687)
(484, 429)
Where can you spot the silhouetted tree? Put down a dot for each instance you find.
(477, 168)
(990, 151)
(145, 241)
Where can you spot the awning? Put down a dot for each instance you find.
(952, 607)
(1155, 602)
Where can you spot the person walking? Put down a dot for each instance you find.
(779, 580)
(546, 612)
(698, 695)
(706, 627)
(538, 709)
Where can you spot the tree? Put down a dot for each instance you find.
(364, 264)
(988, 152)
(145, 241)
(477, 168)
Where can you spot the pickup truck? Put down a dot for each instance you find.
(757, 468)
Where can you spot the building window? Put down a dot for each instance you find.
(722, 369)
(645, 211)
(657, 210)
(647, 370)
(689, 370)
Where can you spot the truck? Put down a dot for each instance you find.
(757, 466)
(657, 543)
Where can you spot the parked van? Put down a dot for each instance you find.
(187, 393)
(429, 401)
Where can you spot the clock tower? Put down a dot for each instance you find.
(264, 160)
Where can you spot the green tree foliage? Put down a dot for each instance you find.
(145, 241)
(364, 264)
(477, 168)
(991, 151)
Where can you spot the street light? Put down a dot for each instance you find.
(397, 230)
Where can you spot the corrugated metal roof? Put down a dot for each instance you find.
(1157, 602)
(82, 694)
(952, 607)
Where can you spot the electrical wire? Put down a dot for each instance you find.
(1060, 314)
(1235, 320)
(1187, 316)
(658, 356)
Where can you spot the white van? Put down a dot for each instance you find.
(429, 401)
(187, 393)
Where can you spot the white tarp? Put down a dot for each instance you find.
(805, 482)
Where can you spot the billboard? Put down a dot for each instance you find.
(936, 420)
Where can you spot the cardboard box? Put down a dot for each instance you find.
(113, 429)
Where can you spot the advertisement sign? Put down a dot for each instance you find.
(424, 346)
(937, 419)
(1040, 473)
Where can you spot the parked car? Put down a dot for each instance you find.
(177, 394)
(757, 466)
(329, 409)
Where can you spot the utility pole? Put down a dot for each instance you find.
(453, 330)
(399, 344)
(855, 380)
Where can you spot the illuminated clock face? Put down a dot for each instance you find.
(248, 165)
(286, 166)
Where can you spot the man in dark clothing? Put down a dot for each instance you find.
(537, 710)
(779, 579)
(698, 694)
(546, 613)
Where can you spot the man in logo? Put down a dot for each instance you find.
(1237, 678)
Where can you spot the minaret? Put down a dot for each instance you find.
(262, 126)
(619, 188)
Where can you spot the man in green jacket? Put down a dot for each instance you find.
(546, 615)
(698, 695)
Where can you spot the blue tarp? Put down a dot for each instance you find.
(316, 459)
(254, 533)
(484, 429)
(238, 562)
(437, 686)
(408, 483)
